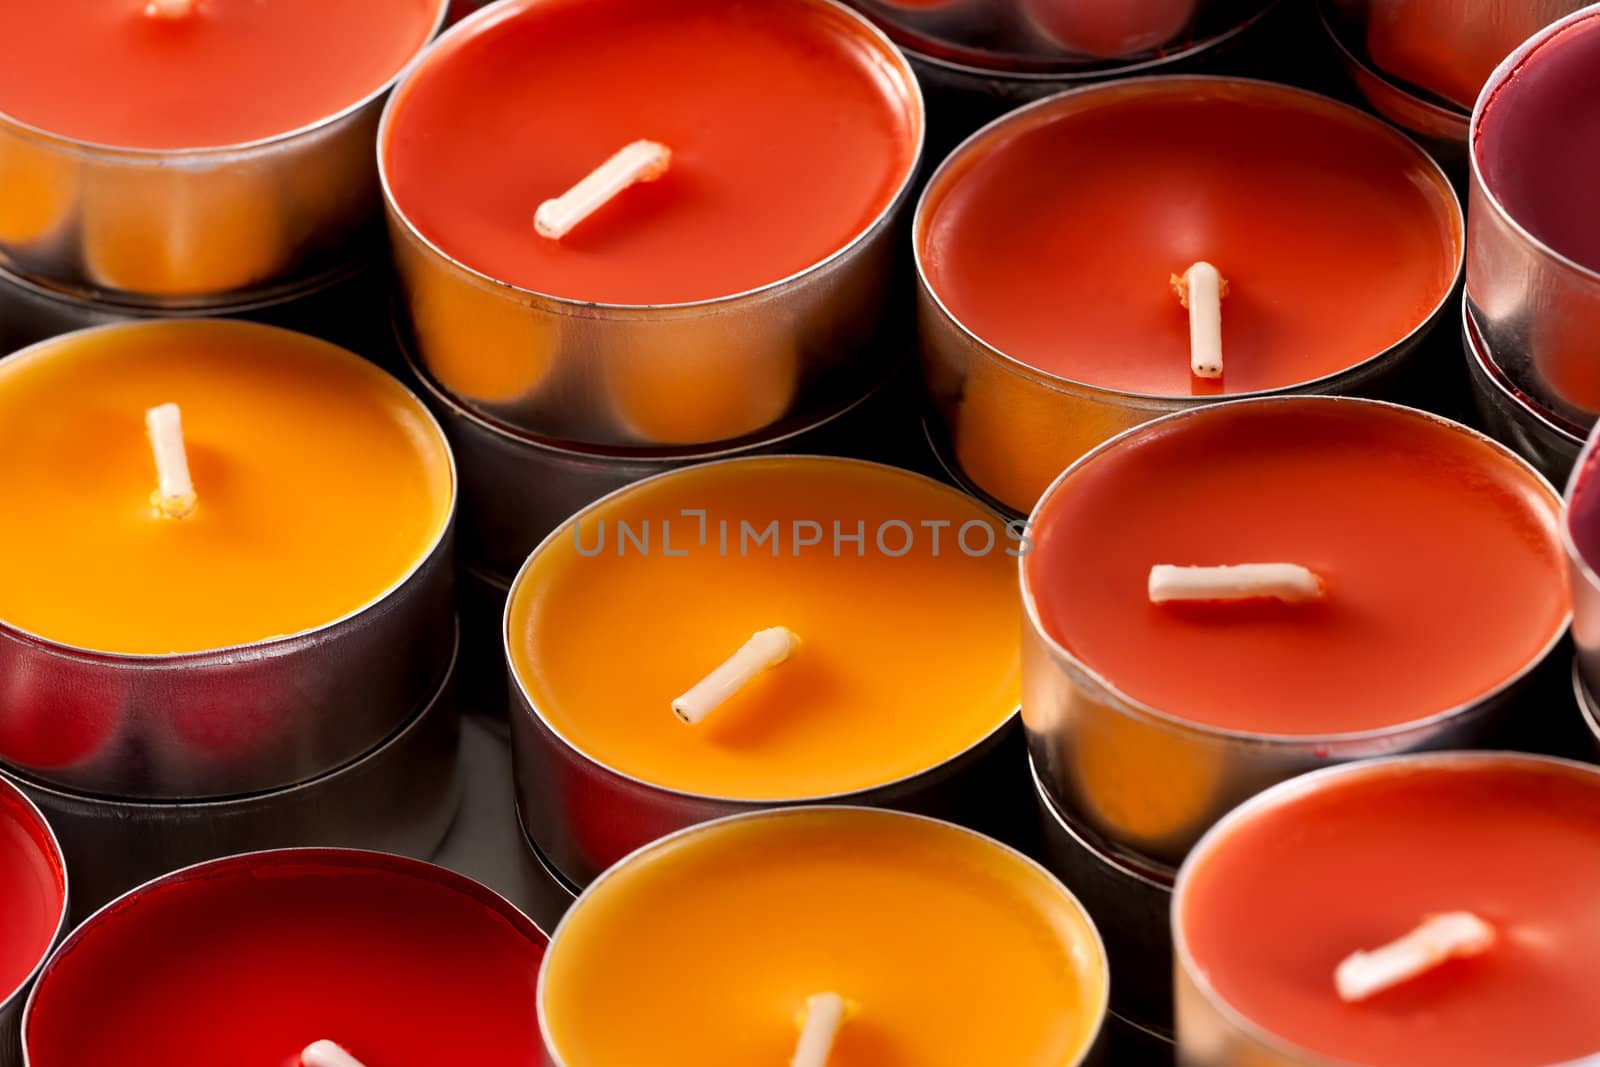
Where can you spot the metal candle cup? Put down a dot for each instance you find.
(1145, 785)
(580, 372)
(13, 1000)
(1010, 427)
(268, 214)
(1538, 309)
(232, 720)
(1546, 440)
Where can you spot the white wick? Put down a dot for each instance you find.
(641, 161)
(1288, 582)
(327, 1054)
(174, 496)
(170, 9)
(1452, 935)
(1201, 289)
(766, 648)
(825, 1013)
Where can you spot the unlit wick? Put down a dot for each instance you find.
(1201, 289)
(824, 1016)
(170, 9)
(766, 648)
(1288, 582)
(174, 496)
(641, 161)
(327, 1054)
(1452, 935)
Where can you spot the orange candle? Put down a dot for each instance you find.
(1050, 247)
(945, 947)
(1282, 893)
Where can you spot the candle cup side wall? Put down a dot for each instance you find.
(1511, 416)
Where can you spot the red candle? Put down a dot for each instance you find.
(1108, 29)
(787, 137)
(33, 892)
(1349, 860)
(226, 72)
(1439, 552)
(248, 960)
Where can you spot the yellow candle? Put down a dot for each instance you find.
(704, 948)
(901, 592)
(320, 484)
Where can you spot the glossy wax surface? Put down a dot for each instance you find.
(249, 967)
(1291, 891)
(321, 483)
(1053, 238)
(790, 131)
(33, 888)
(905, 661)
(232, 72)
(1538, 143)
(955, 951)
(1441, 557)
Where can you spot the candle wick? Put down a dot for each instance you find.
(327, 1054)
(825, 1013)
(641, 161)
(1201, 289)
(1452, 935)
(174, 497)
(766, 648)
(170, 9)
(1288, 582)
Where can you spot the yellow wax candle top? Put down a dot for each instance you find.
(908, 638)
(703, 949)
(321, 484)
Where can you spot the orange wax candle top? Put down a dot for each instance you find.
(1282, 893)
(948, 949)
(908, 650)
(1054, 236)
(225, 72)
(790, 126)
(1439, 552)
(320, 482)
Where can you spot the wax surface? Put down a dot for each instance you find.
(955, 951)
(1441, 558)
(789, 129)
(904, 662)
(1538, 143)
(249, 968)
(1288, 894)
(233, 72)
(1055, 239)
(32, 890)
(321, 484)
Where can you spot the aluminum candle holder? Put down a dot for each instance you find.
(398, 797)
(13, 1000)
(1588, 707)
(274, 211)
(1546, 440)
(566, 368)
(1537, 310)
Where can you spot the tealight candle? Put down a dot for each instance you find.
(203, 503)
(1419, 911)
(927, 943)
(258, 958)
(1055, 250)
(600, 204)
(809, 596)
(33, 884)
(216, 147)
(1227, 596)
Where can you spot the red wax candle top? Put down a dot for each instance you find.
(229, 72)
(790, 127)
(32, 891)
(1288, 892)
(248, 965)
(1053, 237)
(1440, 553)
(1538, 142)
